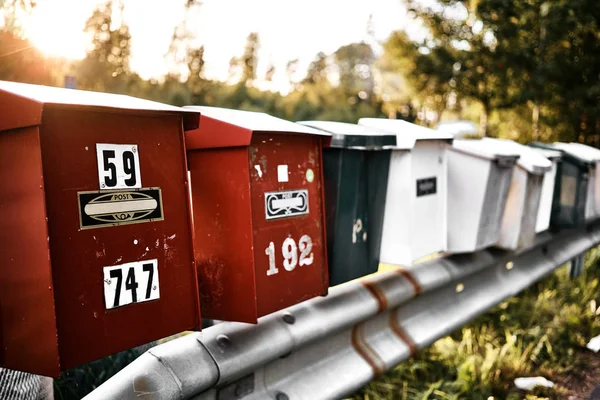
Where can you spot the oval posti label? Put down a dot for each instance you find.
(98, 209)
(285, 204)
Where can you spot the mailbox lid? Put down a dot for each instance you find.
(567, 153)
(407, 134)
(552, 155)
(529, 159)
(288, 222)
(30, 100)
(587, 153)
(486, 150)
(353, 136)
(236, 127)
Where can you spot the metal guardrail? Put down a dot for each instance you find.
(331, 346)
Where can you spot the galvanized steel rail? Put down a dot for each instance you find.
(331, 346)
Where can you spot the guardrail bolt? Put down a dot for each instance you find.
(223, 341)
(281, 396)
(289, 318)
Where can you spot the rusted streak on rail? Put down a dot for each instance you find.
(366, 351)
(411, 279)
(402, 335)
(375, 290)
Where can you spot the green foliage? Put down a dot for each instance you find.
(542, 331)
(537, 57)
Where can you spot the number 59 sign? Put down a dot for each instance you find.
(118, 166)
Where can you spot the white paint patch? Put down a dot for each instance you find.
(358, 225)
(594, 344)
(172, 236)
(135, 241)
(258, 170)
(531, 382)
(130, 206)
(282, 173)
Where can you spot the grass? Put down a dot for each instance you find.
(543, 331)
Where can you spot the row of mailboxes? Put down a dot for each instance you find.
(123, 221)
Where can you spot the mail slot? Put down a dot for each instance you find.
(259, 225)
(479, 176)
(522, 206)
(95, 247)
(355, 168)
(571, 186)
(415, 222)
(592, 156)
(548, 186)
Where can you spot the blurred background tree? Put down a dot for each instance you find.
(522, 69)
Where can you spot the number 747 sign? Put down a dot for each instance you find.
(130, 283)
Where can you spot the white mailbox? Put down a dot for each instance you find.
(522, 206)
(543, 217)
(591, 155)
(415, 222)
(479, 176)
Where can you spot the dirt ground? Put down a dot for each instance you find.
(583, 383)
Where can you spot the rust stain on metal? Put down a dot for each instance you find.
(402, 335)
(375, 290)
(411, 279)
(366, 351)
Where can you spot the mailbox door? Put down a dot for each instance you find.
(223, 233)
(344, 172)
(120, 280)
(429, 187)
(570, 194)
(288, 223)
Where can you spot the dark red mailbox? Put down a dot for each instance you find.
(259, 227)
(95, 237)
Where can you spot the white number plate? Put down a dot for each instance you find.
(118, 166)
(130, 283)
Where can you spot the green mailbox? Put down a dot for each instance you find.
(570, 189)
(355, 169)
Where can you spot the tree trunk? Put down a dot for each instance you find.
(483, 121)
(535, 122)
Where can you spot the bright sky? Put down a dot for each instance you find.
(288, 29)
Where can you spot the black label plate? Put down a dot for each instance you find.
(426, 186)
(290, 203)
(112, 208)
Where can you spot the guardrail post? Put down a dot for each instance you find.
(576, 266)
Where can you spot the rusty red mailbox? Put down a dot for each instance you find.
(259, 228)
(95, 236)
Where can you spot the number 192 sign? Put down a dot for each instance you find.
(118, 166)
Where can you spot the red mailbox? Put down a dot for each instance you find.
(95, 237)
(259, 228)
